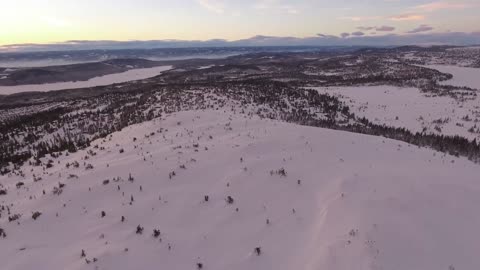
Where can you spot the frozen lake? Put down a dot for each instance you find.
(130, 75)
(462, 76)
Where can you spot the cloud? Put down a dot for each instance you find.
(434, 6)
(345, 35)
(326, 36)
(359, 18)
(383, 28)
(401, 17)
(407, 17)
(269, 5)
(358, 34)
(216, 6)
(365, 28)
(421, 28)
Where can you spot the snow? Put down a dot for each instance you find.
(462, 76)
(130, 75)
(468, 48)
(194, 56)
(323, 73)
(363, 202)
(206, 67)
(415, 110)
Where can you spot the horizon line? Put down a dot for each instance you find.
(319, 40)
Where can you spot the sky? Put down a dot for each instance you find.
(51, 21)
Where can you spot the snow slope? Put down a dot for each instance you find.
(130, 75)
(410, 108)
(362, 202)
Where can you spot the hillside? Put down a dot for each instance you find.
(308, 198)
(410, 108)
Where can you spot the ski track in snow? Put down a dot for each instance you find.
(363, 202)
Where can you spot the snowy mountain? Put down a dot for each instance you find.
(217, 185)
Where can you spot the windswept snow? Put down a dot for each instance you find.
(346, 201)
(130, 75)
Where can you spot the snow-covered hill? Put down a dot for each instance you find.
(308, 198)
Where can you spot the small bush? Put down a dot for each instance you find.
(36, 215)
(57, 191)
(280, 172)
(13, 217)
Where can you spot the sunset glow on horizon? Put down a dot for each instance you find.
(49, 21)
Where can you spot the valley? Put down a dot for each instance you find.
(364, 159)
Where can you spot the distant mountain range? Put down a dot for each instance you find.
(63, 57)
(447, 38)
